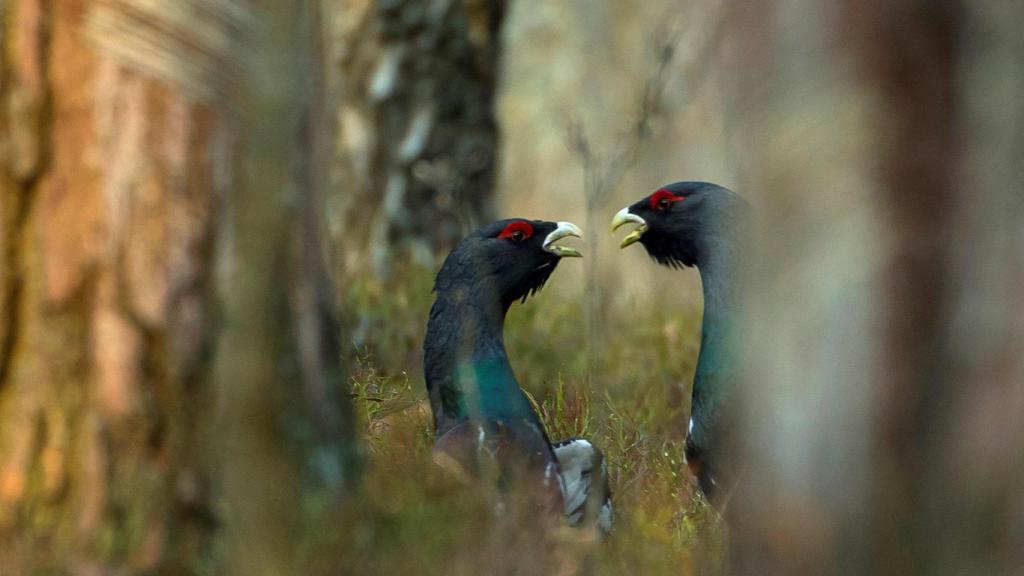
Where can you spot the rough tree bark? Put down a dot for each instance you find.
(111, 160)
(118, 195)
(417, 134)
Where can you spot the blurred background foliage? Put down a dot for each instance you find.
(409, 518)
(220, 221)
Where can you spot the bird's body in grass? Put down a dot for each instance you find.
(483, 420)
(696, 224)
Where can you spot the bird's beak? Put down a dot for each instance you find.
(563, 230)
(624, 217)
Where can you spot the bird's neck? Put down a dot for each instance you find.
(467, 371)
(719, 278)
(717, 361)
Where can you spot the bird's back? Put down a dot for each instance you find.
(514, 453)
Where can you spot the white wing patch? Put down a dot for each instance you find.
(576, 460)
(607, 517)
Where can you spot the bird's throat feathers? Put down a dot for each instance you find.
(488, 390)
(718, 361)
(467, 370)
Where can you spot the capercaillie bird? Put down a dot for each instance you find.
(482, 418)
(689, 224)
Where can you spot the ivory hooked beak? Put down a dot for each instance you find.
(564, 230)
(624, 217)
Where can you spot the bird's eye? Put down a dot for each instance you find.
(517, 231)
(662, 199)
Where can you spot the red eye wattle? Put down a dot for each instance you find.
(662, 199)
(519, 230)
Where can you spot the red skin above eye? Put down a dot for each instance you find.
(518, 226)
(662, 195)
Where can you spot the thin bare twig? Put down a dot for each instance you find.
(603, 172)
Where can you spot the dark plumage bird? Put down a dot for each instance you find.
(483, 420)
(696, 224)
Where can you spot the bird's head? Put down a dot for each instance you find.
(677, 222)
(513, 257)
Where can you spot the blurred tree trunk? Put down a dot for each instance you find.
(415, 82)
(111, 163)
(281, 445)
(121, 211)
(886, 385)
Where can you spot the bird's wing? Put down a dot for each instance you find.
(585, 484)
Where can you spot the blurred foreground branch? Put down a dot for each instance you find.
(885, 393)
(281, 342)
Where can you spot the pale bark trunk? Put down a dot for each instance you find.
(418, 140)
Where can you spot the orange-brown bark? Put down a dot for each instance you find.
(108, 181)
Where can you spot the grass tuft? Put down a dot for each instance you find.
(411, 517)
